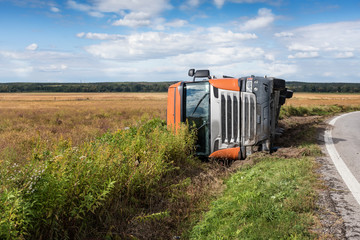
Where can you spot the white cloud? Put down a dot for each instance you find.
(220, 56)
(79, 6)
(284, 34)
(304, 55)
(97, 8)
(91, 10)
(134, 19)
(134, 13)
(100, 36)
(264, 19)
(96, 14)
(14, 67)
(54, 9)
(219, 35)
(220, 3)
(81, 35)
(338, 37)
(344, 55)
(53, 68)
(32, 47)
(337, 48)
(143, 46)
(43, 56)
(160, 24)
(190, 4)
(302, 47)
(176, 23)
(153, 45)
(328, 74)
(114, 70)
(11, 55)
(23, 71)
(24, 64)
(153, 7)
(270, 57)
(326, 52)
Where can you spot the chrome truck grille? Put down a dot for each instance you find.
(230, 116)
(248, 113)
(233, 119)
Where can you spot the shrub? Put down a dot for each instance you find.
(322, 110)
(100, 186)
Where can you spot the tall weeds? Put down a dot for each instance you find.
(320, 110)
(100, 188)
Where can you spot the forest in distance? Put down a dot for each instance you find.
(158, 87)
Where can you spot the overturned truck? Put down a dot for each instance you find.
(234, 116)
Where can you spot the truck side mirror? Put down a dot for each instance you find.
(199, 74)
(202, 74)
(191, 72)
(289, 93)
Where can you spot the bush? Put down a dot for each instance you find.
(323, 110)
(98, 187)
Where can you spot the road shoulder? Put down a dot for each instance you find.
(338, 211)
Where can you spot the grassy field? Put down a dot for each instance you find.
(67, 170)
(29, 119)
(316, 99)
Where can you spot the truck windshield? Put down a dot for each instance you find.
(197, 107)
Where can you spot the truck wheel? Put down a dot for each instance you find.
(279, 84)
(282, 100)
(242, 153)
(272, 147)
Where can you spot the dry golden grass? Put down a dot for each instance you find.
(61, 100)
(30, 119)
(312, 99)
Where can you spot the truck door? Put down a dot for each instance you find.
(197, 112)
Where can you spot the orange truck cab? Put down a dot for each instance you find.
(234, 116)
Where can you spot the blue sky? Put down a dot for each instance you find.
(159, 40)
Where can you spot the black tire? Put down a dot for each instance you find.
(242, 153)
(279, 84)
(272, 145)
(282, 100)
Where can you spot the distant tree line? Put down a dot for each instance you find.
(86, 87)
(159, 87)
(324, 87)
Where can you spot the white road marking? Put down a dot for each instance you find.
(345, 173)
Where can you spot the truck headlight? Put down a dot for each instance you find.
(249, 86)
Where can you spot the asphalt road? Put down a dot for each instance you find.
(341, 170)
(346, 138)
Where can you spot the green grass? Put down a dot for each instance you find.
(273, 199)
(104, 188)
(322, 110)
